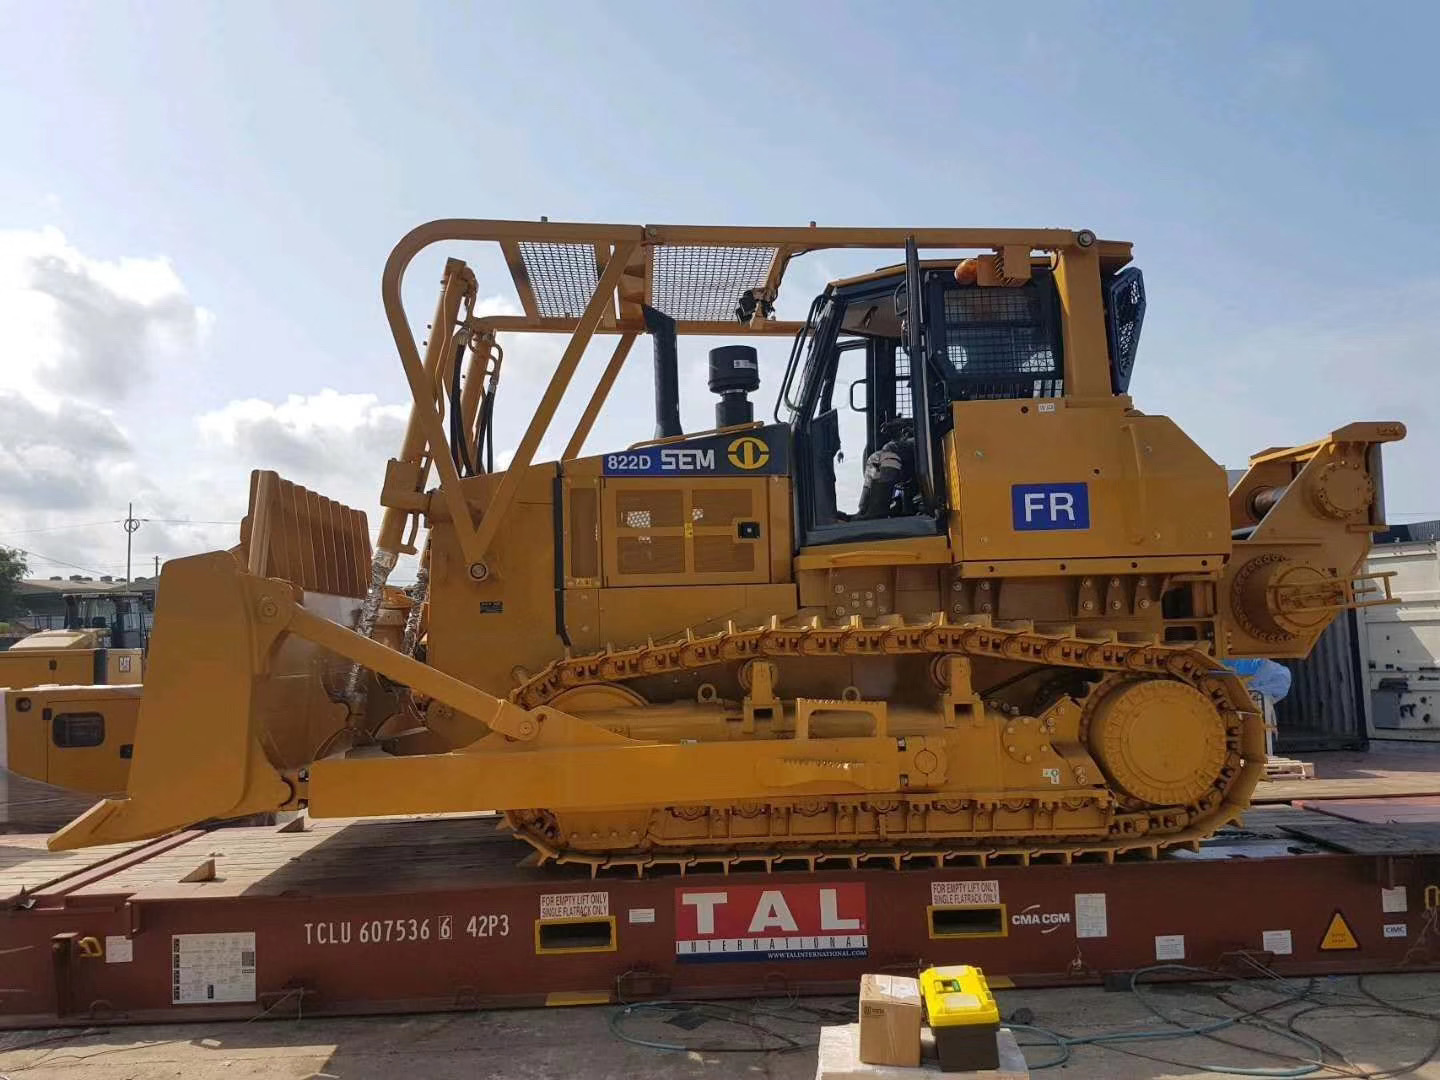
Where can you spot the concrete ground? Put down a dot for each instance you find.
(1360, 1039)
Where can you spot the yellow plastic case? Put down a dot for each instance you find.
(963, 1017)
(957, 995)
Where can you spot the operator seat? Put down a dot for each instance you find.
(890, 467)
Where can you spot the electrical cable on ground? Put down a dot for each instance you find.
(1313, 1064)
(50, 1057)
(1312, 1057)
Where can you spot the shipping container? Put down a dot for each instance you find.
(1404, 638)
(1328, 707)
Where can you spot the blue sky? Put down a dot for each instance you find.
(216, 186)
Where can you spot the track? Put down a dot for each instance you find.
(953, 825)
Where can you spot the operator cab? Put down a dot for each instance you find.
(869, 430)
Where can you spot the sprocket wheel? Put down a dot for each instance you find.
(1160, 741)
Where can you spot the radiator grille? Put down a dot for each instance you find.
(720, 506)
(653, 532)
(584, 543)
(722, 555)
(650, 554)
(656, 509)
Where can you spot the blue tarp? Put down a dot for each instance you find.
(1265, 676)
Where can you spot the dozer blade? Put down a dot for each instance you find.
(226, 716)
(198, 752)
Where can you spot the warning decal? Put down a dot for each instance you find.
(1394, 901)
(211, 968)
(1278, 942)
(1090, 916)
(575, 905)
(1338, 935)
(965, 892)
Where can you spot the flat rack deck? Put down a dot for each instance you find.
(400, 915)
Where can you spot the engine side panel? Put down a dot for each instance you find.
(1097, 480)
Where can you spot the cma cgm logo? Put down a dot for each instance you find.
(748, 452)
(1036, 507)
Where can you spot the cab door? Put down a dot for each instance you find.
(857, 392)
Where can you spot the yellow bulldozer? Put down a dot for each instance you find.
(998, 631)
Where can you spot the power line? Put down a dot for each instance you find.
(58, 562)
(187, 521)
(112, 521)
(61, 528)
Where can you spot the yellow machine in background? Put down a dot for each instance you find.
(71, 657)
(68, 724)
(75, 737)
(60, 748)
(697, 650)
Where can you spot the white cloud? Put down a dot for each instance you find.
(82, 340)
(310, 437)
(57, 457)
(75, 326)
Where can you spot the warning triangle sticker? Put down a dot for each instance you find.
(1338, 935)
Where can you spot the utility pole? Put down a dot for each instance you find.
(131, 524)
(157, 567)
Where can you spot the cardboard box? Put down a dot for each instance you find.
(889, 1020)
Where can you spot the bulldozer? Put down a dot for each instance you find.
(701, 650)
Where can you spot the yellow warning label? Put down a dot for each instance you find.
(1337, 935)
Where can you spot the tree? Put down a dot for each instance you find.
(12, 569)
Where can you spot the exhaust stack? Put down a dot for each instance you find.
(667, 374)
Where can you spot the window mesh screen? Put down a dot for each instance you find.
(1124, 314)
(904, 399)
(1002, 343)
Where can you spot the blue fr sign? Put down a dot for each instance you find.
(1049, 506)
